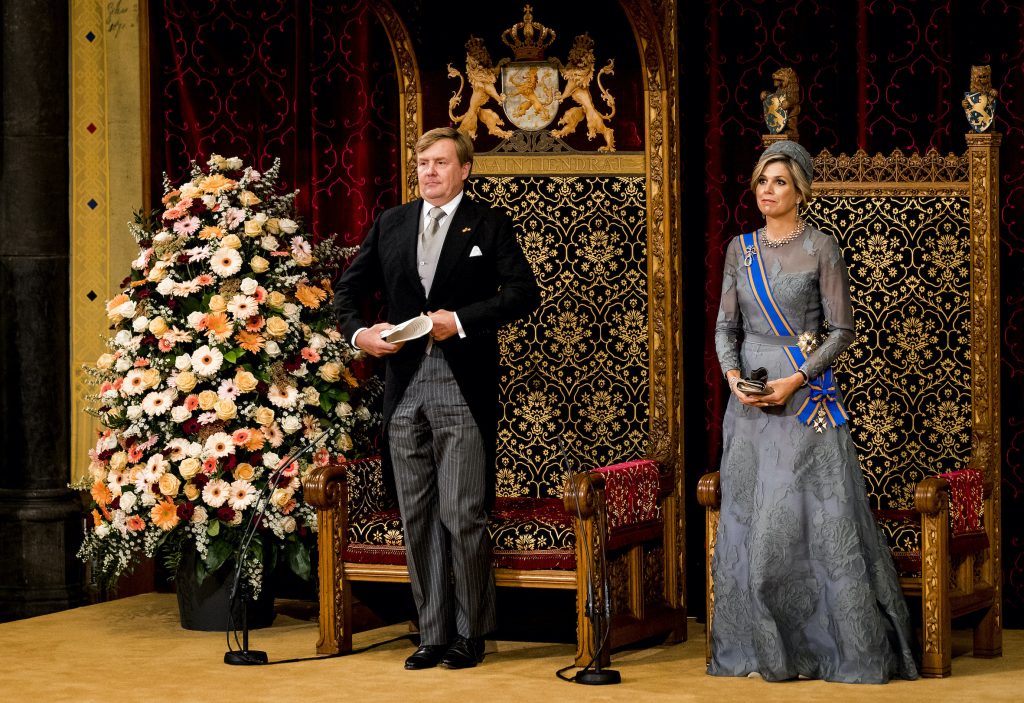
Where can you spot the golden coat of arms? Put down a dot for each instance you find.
(531, 94)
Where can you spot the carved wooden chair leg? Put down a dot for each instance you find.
(931, 499)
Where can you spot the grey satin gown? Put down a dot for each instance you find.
(804, 581)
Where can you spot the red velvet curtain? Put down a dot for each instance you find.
(874, 75)
(311, 83)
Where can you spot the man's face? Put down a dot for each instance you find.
(439, 172)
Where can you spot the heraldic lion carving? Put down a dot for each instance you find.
(482, 77)
(787, 98)
(578, 75)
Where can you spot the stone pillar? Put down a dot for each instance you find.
(40, 518)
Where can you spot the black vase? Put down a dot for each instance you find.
(204, 606)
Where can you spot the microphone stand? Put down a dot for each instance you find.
(600, 614)
(246, 656)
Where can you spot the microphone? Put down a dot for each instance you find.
(245, 656)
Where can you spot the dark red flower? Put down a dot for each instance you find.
(225, 513)
(190, 426)
(185, 511)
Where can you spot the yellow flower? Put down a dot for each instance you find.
(277, 327)
(245, 381)
(185, 381)
(191, 491)
(231, 241)
(158, 326)
(244, 472)
(169, 485)
(105, 361)
(211, 232)
(273, 225)
(344, 442)
(276, 300)
(207, 399)
(118, 461)
(310, 296)
(151, 377)
(253, 228)
(225, 408)
(258, 264)
(330, 372)
(310, 396)
(189, 468)
(264, 416)
(247, 198)
(281, 496)
(218, 304)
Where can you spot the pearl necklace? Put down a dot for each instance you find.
(774, 243)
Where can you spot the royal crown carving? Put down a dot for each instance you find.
(528, 39)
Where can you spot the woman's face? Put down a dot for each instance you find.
(777, 196)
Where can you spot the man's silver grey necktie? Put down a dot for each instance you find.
(435, 214)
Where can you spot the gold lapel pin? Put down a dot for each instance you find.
(466, 229)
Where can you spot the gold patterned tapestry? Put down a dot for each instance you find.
(906, 379)
(574, 384)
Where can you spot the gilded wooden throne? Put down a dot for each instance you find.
(590, 403)
(920, 235)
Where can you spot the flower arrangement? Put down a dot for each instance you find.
(224, 359)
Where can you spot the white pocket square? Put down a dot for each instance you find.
(475, 251)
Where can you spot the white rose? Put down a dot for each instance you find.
(199, 517)
(291, 310)
(343, 409)
(102, 530)
(123, 338)
(189, 190)
(140, 323)
(291, 424)
(271, 460)
(269, 243)
(209, 200)
(134, 412)
(363, 413)
(128, 500)
(249, 285)
(165, 287)
(182, 362)
(195, 318)
(122, 364)
(149, 499)
(260, 217)
(272, 348)
(317, 342)
(288, 226)
(179, 413)
(288, 524)
(232, 164)
(194, 449)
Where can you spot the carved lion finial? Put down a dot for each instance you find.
(980, 102)
(782, 106)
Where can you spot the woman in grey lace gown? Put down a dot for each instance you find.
(804, 582)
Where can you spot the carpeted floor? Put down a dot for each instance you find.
(134, 650)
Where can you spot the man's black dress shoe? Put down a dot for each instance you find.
(426, 656)
(464, 653)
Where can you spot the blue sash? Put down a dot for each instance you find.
(822, 406)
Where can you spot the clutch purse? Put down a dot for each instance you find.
(755, 384)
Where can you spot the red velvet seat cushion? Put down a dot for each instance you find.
(526, 533)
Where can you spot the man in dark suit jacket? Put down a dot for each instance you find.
(459, 263)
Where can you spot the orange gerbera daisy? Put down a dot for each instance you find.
(250, 341)
(101, 494)
(310, 354)
(218, 325)
(191, 402)
(170, 196)
(211, 232)
(310, 296)
(135, 523)
(256, 441)
(210, 465)
(165, 515)
(96, 519)
(349, 378)
(217, 183)
(242, 436)
(255, 323)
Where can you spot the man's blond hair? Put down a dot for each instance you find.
(463, 146)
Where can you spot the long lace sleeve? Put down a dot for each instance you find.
(729, 327)
(834, 285)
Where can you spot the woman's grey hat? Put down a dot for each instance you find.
(795, 152)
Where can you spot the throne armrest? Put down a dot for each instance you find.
(931, 495)
(709, 490)
(324, 486)
(630, 494)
